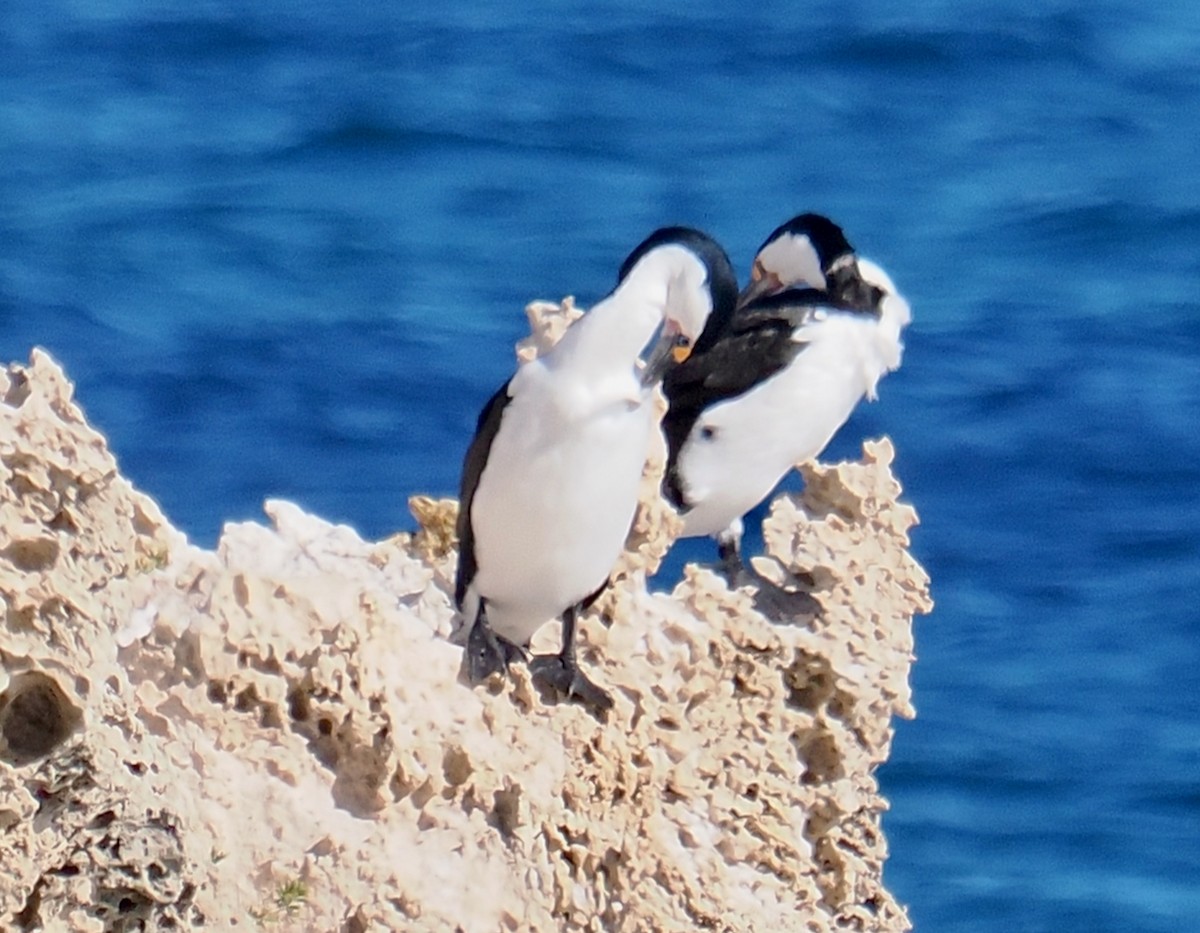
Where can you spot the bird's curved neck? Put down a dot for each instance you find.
(614, 332)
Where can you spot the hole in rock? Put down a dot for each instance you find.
(456, 766)
(62, 521)
(20, 620)
(270, 718)
(35, 717)
(18, 390)
(29, 916)
(819, 755)
(246, 699)
(298, 706)
(506, 811)
(809, 682)
(103, 820)
(30, 555)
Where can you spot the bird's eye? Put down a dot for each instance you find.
(681, 347)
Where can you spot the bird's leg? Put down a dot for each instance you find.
(730, 553)
(561, 671)
(729, 549)
(487, 652)
(769, 596)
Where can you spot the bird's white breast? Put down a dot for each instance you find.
(739, 449)
(558, 493)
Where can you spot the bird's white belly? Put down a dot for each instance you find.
(758, 436)
(553, 509)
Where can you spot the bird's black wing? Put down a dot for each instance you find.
(755, 344)
(737, 363)
(473, 464)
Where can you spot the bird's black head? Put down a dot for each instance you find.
(825, 239)
(702, 294)
(722, 280)
(810, 250)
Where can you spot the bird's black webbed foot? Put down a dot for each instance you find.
(561, 672)
(488, 653)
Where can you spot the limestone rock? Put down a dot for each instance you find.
(273, 734)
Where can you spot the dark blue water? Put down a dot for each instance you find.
(286, 253)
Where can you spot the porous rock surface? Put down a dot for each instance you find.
(274, 734)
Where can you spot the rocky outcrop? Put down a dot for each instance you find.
(274, 733)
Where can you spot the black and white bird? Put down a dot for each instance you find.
(814, 332)
(550, 481)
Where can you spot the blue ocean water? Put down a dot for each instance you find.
(285, 253)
